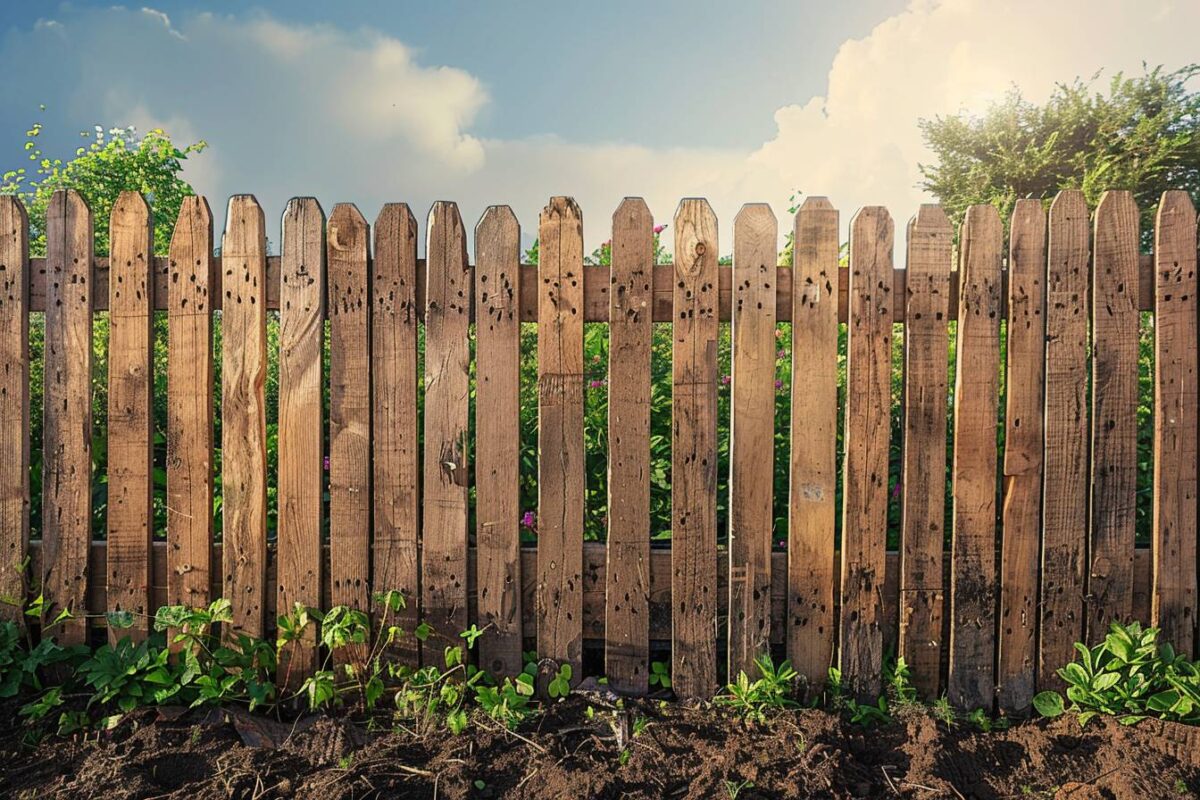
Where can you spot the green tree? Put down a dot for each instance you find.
(1142, 134)
(109, 163)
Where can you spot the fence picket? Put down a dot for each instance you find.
(190, 406)
(244, 413)
(867, 434)
(812, 488)
(923, 476)
(130, 413)
(560, 433)
(394, 433)
(447, 456)
(971, 678)
(347, 251)
(694, 452)
(1064, 513)
(752, 436)
(498, 438)
(67, 403)
(627, 586)
(299, 560)
(14, 407)
(1173, 602)
(1022, 514)
(1115, 332)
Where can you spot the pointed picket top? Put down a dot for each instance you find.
(346, 219)
(815, 202)
(194, 220)
(496, 215)
(695, 232)
(932, 217)
(245, 226)
(631, 207)
(1174, 202)
(1068, 205)
(305, 212)
(396, 214)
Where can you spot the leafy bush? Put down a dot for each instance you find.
(1130, 675)
(773, 690)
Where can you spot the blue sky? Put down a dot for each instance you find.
(510, 102)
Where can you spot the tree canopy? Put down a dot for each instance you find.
(1141, 134)
(109, 163)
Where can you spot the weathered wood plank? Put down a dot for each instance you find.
(244, 413)
(752, 436)
(1064, 512)
(1115, 333)
(498, 439)
(190, 407)
(972, 679)
(813, 469)
(447, 466)
(301, 447)
(865, 466)
(923, 481)
(694, 452)
(67, 406)
(14, 407)
(347, 244)
(595, 299)
(560, 433)
(130, 413)
(1022, 515)
(394, 434)
(1173, 601)
(627, 588)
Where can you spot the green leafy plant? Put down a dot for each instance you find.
(560, 684)
(772, 691)
(660, 674)
(1130, 675)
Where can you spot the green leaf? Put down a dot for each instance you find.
(1048, 704)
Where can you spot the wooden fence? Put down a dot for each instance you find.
(1036, 561)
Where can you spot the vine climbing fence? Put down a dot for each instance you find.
(1037, 551)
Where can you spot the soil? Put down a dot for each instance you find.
(565, 753)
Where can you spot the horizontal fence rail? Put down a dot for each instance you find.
(382, 355)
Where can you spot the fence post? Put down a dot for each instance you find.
(14, 407)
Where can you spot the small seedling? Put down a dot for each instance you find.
(734, 788)
(560, 685)
(660, 674)
(772, 691)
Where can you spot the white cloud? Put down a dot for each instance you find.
(317, 109)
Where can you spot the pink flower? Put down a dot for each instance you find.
(326, 463)
(778, 384)
(725, 379)
(596, 384)
(659, 228)
(778, 333)
(529, 520)
(781, 354)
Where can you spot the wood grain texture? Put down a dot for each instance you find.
(190, 406)
(67, 408)
(1064, 510)
(244, 413)
(560, 433)
(394, 431)
(923, 477)
(14, 407)
(447, 457)
(865, 465)
(627, 585)
(813, 470)
(1173, 602)
(1022, 513)
(130, 413)
(300, 560)
(752, 436)
(498, 439)
(694, 453)
(348, 242)
(971, 679)
(1115, 333)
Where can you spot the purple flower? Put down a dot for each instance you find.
(725, 379)
(327, 463)
(778, 384)
(781, 354)
(529, 520)
(896, 489)
(596, 384)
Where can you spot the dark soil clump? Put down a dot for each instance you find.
(678, 753)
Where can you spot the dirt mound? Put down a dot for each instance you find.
(567, 753)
